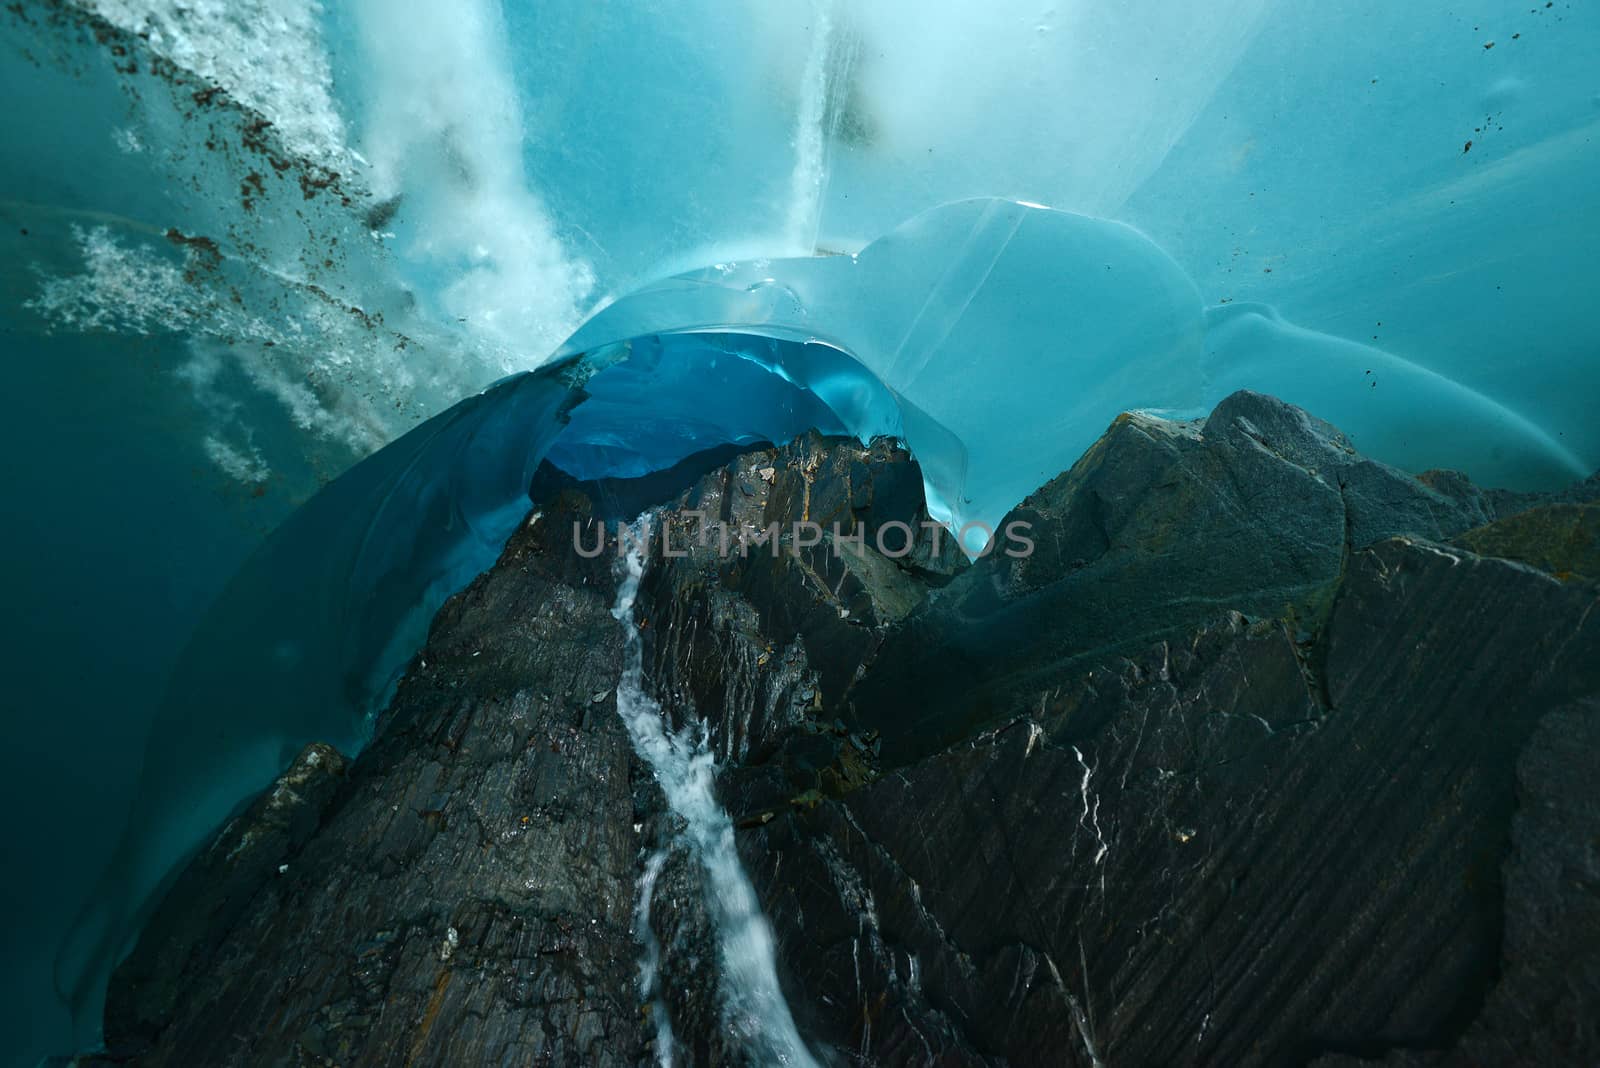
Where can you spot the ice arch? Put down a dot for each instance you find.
(1078, 318)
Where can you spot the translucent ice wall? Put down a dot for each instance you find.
(351, 216)
(1311, 158)
(1077, 319)
(250, 241)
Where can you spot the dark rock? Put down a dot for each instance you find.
(1542, 1010)
(1160, 528)
(765, 636)
(1246, 764)
(623, 499)
(211, 895)
(1501, 503)
(1563, 539)
(1196, 856)
(468, 897)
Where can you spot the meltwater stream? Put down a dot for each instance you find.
(753, 1006)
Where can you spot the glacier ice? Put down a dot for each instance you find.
(1089, 314)
(670, 396)
(288, 233)
(1394, 410)
(1077, 319)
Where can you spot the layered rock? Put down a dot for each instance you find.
(1198, 854)
(468, 896)
(1158, 530)
(1260, 757)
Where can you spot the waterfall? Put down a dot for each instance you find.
(444, 132)
(753, 1006)
(650, 963)
(811, 136)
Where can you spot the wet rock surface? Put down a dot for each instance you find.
(214, 892)
(1197, 855)
(1158, 529)
(1267, 754)
(468, 896)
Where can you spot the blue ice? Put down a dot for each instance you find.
(1360, 206)
(1071, 320)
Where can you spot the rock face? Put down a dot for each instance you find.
(1260, 757)
(1158, 530)
(468, 896)
(1563, 539)
(1201, 854)
(212, 894)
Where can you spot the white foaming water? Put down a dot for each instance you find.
(754, 1008)
(811, 137)
(650, 964)
(267, 54)
(130, 288)
(445, 131)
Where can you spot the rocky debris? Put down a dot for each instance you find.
(468, 895)
(1541, 1010)
(1555, 532)
(765, 634)
(1500, 503)
(623, 499)
(1247, 763)
(1192, 855)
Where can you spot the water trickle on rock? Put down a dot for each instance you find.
(753, 1005)
(650, 961)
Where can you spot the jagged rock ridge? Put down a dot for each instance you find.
(1252, 761)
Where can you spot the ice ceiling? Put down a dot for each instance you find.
(252, 242)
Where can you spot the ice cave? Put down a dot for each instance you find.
(1095, 514)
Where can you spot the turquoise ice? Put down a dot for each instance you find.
(270, 248)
